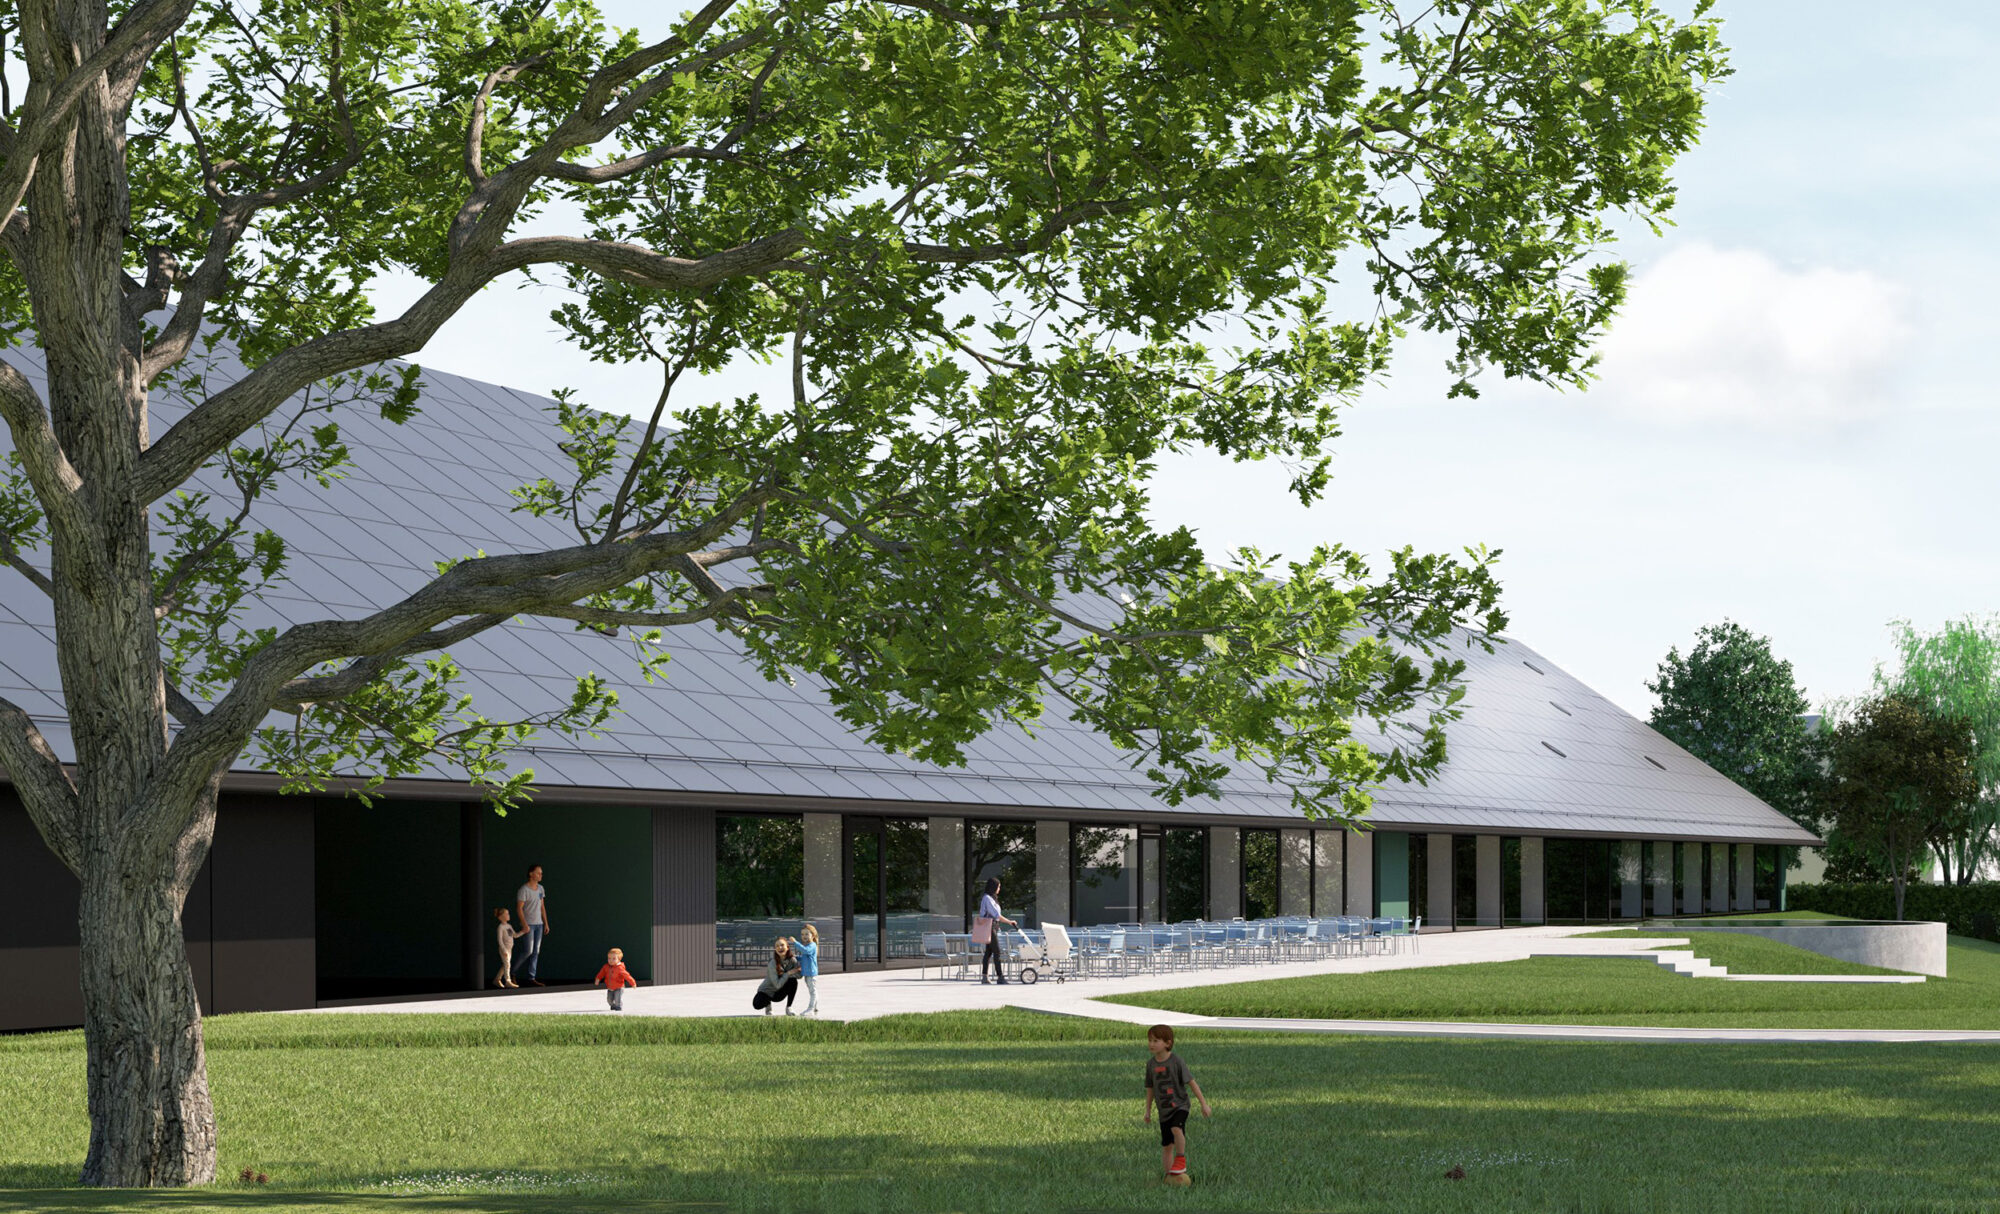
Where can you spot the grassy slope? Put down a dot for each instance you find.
(1007, 1111)
(1616, 991)
(1744, 954)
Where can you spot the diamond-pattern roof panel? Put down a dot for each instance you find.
(438, 488)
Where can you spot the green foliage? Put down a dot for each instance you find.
(1956, 671)
(1732, 704)
(1971, 909)
(1902, 779)
(1021, 255)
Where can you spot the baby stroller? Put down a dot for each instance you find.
(1052, 958)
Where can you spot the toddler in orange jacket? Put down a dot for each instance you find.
(614, 978)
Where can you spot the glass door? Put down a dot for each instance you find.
(863, 917)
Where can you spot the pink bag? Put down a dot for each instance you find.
(982, 930)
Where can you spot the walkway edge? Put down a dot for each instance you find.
(1091, 1010)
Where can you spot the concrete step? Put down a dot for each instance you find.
(1686, 964)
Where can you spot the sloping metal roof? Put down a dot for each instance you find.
(437, 487)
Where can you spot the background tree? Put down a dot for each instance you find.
(1902, 779)
(1731, 703)
(1001, 257)
(1956, 671)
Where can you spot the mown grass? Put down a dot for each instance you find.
(1006, 1111)
(1618, 991)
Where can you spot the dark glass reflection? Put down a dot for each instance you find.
(1005, 850)
(1103, 874)
(1183, 873)
(1260, 874)
(1510, 880)
(760, 880)
(1465, 881)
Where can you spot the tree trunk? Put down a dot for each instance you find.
(151, 1120)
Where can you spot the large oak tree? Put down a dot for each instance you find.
(999, 258)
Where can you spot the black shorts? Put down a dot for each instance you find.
(1169, 1122)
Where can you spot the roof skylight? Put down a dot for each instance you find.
(1559, 754)
(1533, 667)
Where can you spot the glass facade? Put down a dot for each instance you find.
(1173, 874)
(906, 881)
(1769, 891)
(1510, 880)
(1260, 874)
(1329, 872)
(1465, 881)
(760, 886)
(1104, 870)
(1005, 850)
(894, 872)
(1420, 875)
(888, 890)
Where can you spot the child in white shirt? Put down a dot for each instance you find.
(508, 934)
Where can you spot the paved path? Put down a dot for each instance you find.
(890, 992)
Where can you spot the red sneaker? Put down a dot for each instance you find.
(1180, 1166)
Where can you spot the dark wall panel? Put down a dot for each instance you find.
(386, 889)
(683, 895)
(260, 874)
(248, 920)
(38, 966)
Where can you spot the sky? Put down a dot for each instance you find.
(1793, 427)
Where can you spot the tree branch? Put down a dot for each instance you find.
(57, 484)
(144, 27)
(46, 789)
(232, 221)
(13, 559)
(215, 423)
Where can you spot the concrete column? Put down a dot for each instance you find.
(948, 891)
(1294, 872)
(1746, 877)
(1329, 859)
(1631, 892)
(1718, 877)
(1442, 892)
(823, 905)
(1225, 883)
(1534, 906)
(1488, 886)
(1052, 872)
(1360, 870)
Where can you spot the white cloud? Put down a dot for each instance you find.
(1719, 335)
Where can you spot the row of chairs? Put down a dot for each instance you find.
(1129, 948)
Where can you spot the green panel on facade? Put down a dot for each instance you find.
(597, 866)
(1392, 874)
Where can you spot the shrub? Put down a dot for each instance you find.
(1965, 910)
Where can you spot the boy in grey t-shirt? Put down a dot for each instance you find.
(1168, 1085)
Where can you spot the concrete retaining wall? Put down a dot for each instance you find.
(1916, 948)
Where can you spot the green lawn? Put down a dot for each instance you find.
(1621, 991)
(1007, 1111)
